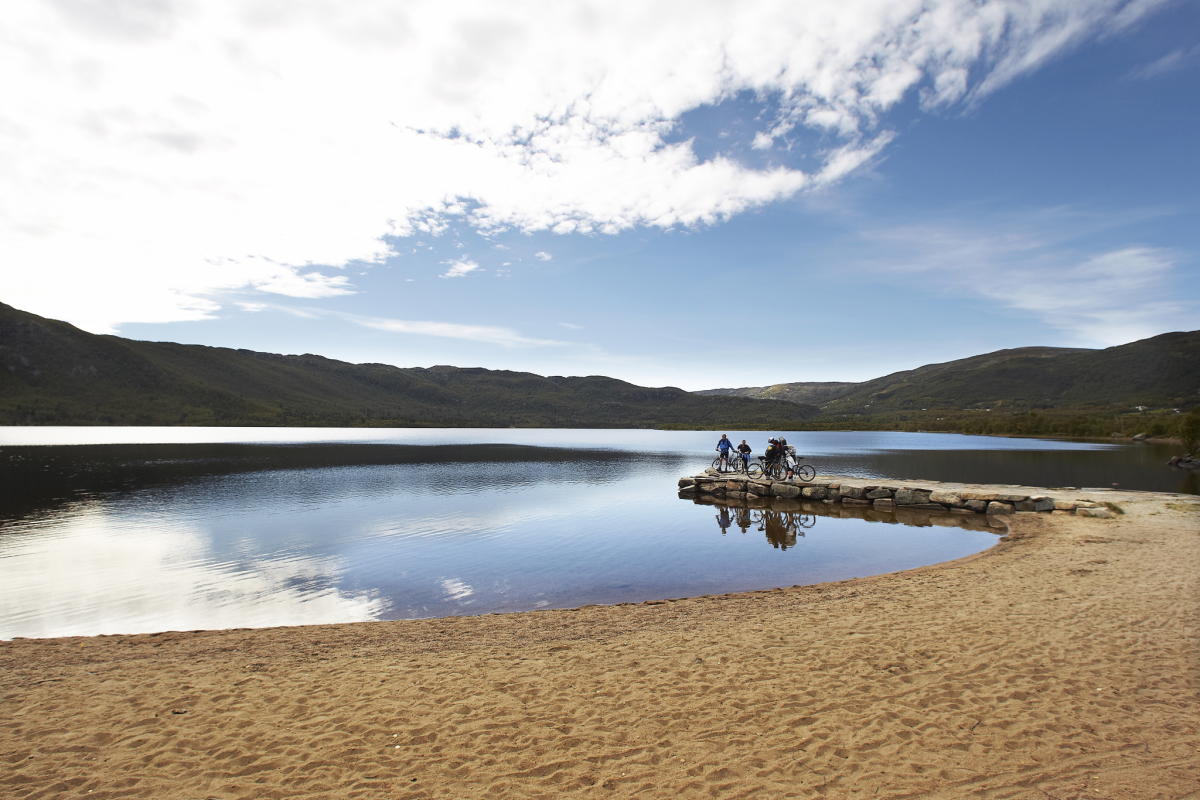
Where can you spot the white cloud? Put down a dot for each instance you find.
(484, 334)
(542, 255)
(1099, 298)
(459, 268)
(1172, 61)
(158, 154)
(571, 326)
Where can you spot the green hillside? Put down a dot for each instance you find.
(52, 373)
(1160, 372)
(814, 393)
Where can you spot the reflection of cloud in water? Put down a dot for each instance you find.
(456, 589)
(499, 512)
(97, 575)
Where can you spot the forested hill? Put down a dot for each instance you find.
(52, 373)
(1159, 372)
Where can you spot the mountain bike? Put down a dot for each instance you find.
(766, 469)
(805, 472)
(778, 469)
(731, 463)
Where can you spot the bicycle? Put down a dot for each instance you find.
(779, 468)
(730, 463)
(805, 472)
(766, 469)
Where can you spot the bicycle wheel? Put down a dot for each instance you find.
(718, 464)
(774, 470)
(755, 470)
(805, 472)
(807, 520)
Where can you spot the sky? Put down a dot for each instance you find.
(694, 194)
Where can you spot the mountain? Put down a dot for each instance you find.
(1159, 372)
(815, 393)
(52, 373)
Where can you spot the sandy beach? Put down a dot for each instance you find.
(1062, 663)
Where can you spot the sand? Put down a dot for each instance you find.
(1063, 663)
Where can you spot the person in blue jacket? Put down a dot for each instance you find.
(725, 448)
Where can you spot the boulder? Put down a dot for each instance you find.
(1097, 512)
(884, 504)
(996, 507)
(911, 497)
(994, 497)
(713, 472)
(853, 492)
(815, 492)
(878, 493)
(780, 489)
(687, 491)
(735, 495)
(1042, 503)
(978, 506)
(687, 481)
(945, 498)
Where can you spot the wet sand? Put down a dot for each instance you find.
(1063, 663)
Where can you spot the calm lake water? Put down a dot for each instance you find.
(125, 530)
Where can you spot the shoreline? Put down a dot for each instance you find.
(1064, 661)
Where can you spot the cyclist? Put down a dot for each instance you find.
(773, 452)
(786, 450)
(724, 447)
(745, 450)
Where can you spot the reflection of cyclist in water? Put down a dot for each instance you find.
(723, 521)
(742, 515)
(779, 533)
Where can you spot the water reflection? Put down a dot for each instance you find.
(97, 572)
(781, 528)
(784, 520)
(389, 541)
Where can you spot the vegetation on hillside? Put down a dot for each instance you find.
(1142, 387)
(52, 373)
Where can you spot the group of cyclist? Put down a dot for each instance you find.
(776, 453)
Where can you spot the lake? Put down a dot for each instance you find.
(126, 530)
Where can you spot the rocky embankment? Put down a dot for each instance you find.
(932, 496)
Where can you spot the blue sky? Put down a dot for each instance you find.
(696, 195)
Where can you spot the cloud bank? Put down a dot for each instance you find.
(1039, 264)
(157, 153)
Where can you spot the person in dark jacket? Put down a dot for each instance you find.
(745, 450)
